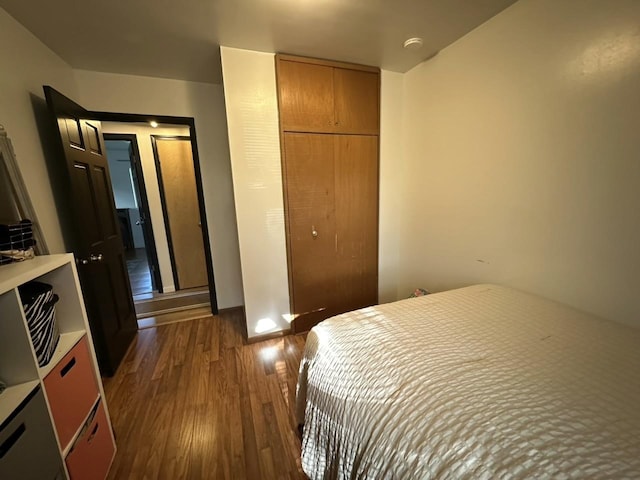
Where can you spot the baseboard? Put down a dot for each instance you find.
(231, 309)
(269, 336)
(258, 338)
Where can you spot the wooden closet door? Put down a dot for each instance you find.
(356, 96)
(177, 177)
(306, 97)
(309, 170)
(356, 200)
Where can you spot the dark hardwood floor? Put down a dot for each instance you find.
(138, 270)
(191, 400)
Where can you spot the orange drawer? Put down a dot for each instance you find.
(72, 390)
(91, 455)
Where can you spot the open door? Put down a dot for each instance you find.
(96, 239)
(140, 193)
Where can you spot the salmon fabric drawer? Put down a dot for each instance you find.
(91, 455)
(72, 390)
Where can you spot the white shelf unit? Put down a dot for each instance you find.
(66, 343)
(13, 396)
(19, 368)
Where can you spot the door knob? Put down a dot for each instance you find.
(95, 258)
(314, 232)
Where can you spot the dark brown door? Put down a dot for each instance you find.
(140, 191)
(96, 240)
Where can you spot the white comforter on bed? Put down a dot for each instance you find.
(482, 382)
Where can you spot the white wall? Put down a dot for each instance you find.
(205, 103)
(27, 65)
(254, 143)
(391, 189)
(143, 136)
(521, 153)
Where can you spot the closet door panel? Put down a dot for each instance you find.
(306, 97)
(356, 101)
(309, 171)
(356, 197)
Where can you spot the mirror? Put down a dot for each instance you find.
(15, 203)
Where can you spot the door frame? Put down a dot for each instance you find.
(191, 123)
(147, 227)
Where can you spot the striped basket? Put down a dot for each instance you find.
(38, 301)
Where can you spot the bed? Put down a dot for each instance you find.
(483, 382)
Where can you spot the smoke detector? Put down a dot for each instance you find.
(414, 43)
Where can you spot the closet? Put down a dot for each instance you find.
(329, 129)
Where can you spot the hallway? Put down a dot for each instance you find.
(138, 269)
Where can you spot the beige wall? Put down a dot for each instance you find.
(143, 136)
(391, 177)
(252, 116)
(27, 65)
(522, 157)
(205, 103)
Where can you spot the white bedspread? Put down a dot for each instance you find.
(483, 382)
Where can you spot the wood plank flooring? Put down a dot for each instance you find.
(191, 400)
(138, 270)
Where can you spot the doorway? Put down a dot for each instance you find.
(155, 186)
(132, 207)
(93, 229)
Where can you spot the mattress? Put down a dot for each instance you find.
(483, 382)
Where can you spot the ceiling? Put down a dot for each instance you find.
(180, 39)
